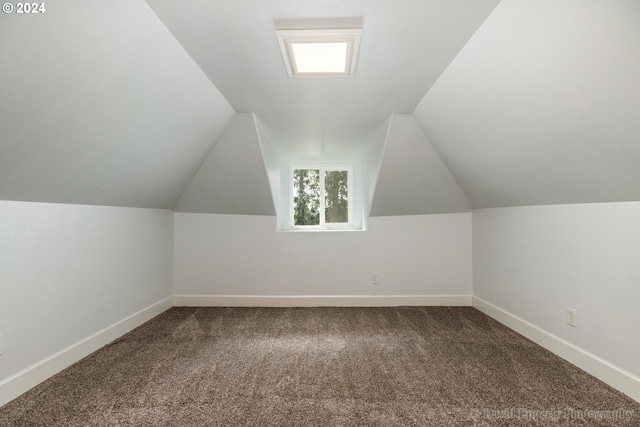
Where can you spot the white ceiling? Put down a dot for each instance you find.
(520, 103)
(542, 106)
(405, 46)
(100, 105)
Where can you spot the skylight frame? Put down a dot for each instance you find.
(350, 36)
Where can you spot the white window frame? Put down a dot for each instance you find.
(323, 225)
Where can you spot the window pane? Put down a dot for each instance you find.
(336, 197)
(306, 197)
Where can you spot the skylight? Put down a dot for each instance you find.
(320, 52)
(320, 57)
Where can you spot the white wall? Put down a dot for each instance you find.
(243, 255)
(233, 177)
(371, 163)
(273, 165)
(69, 271)
(412, 178)
(533, 262)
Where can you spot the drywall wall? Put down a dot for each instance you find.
(534, 262)
(70, 271)
(243, 255)
(273, 166)
(232, 179)
(413, 179)
(371, 163)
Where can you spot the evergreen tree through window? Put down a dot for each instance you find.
(320, 197)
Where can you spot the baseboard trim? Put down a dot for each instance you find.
(320, 300)
(17, 384)
(22, 381)
(606, 372)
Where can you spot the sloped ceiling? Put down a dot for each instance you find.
(121, 102)
(99, 104)
(542, 106)
(405, 47)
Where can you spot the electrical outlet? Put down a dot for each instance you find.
(0, 344)
(572, 317)
(375, 279)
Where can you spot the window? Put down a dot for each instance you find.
(321, 197)
(320, 52)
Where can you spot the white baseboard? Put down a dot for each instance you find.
(320, 300)
(15, 385)
(606, 372)
(20, 382)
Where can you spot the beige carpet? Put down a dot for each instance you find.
(422, 366)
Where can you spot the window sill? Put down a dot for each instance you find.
(319, 229)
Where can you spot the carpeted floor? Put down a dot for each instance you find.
(417, 366)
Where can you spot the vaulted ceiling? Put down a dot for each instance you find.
(405, 47)
(480, 103)
(542, 106)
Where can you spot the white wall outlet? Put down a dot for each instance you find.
(375, 278)
(572, 317)
(0, 344)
